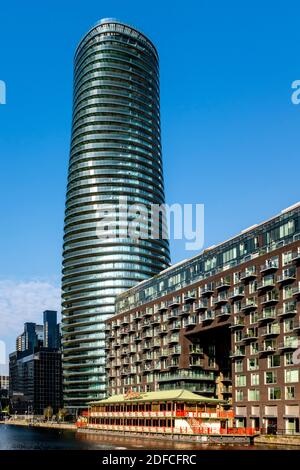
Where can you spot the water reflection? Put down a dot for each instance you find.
(20, 438)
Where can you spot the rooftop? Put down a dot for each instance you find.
(163, 395)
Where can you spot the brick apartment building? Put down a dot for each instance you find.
(223, 324)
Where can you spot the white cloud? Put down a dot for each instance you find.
(22, 301)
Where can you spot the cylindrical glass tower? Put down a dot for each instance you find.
(115, 153)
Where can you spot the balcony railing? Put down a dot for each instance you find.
(174, 303)
(186, 374)
(173, 339)
(202, 305)
(224, 311)
(155, 343)
(266, 284)
(267, 314)
(163, 306)
(270, 265)
(249, 305)
(207, 316)
(137, 316)
(222, 298)
(270, 298)
(147, 334)
(208, 289)
(185, 309)
(165, 352)
(155, 320)
(195, 362)
(237, 293)
(237, 353)
(290, 308)
(172, 363)
(250, 336)
(138, 358)
(223, 283)
(238, 323)
(273, 331)
(163, 330)
(190, 297)
(196, 349)
(191, 321)
(146, 323)
(175, 351)
(296, 290)
(249, 273)
(267, 347)
(175, 325)
(288, 275)
(173, 314)
(124, 351)
(289, 343)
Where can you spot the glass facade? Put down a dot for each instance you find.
(115, 153)
(256, 241)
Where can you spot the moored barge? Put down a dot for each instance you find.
(172, 414)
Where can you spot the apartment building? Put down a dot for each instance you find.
(223, 324)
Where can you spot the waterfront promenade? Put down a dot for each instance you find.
(48, 425)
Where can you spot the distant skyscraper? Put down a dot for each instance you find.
(50, 329)
(35, 367)
(115, 153)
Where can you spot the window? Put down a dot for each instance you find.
(287, 292)
(253, 364)
(236, 277)
(254, 379)
(287, 257)
(161, 285)
(288, 325)
(270, 377)
(269, 280)
(211, 355)
(290, 393)
(254, 348)
(237, 306)
(238, 335)
(210, 263)
(229, 255)
(274, 393)
(174, 280)
(287, 229)
(238, 366)
(284, 230)
(243, 249)
(274, 361)
(253, 395)
(240, 380)
(288, 359)
(291, 375)
(253, 317)
(252, 287)
(239, 395)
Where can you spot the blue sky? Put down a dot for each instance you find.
(230, 132)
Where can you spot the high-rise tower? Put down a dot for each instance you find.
(115, 153)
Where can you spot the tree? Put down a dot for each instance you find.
(62, 413)
(48, 413)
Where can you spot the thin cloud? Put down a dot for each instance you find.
(22, 301)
